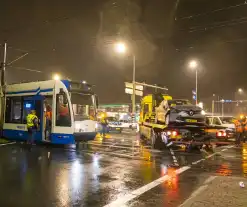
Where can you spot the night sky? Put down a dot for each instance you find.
(73, 39)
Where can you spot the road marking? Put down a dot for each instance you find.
(175, 161)
(198, 161)
(124, 199)
(134, 194)
(7, 143)
(199, 190)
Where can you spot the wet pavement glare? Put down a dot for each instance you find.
(105, 170)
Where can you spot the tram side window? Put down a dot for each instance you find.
(63, 116)
(13, 110)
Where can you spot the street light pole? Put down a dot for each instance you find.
(134, 86)
(194, 66)
(196, 87)
(4, 65)
(222, 113)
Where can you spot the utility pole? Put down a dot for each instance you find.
(3, 66)
(222, 108)
(2, 87)
(212, 107)
(134, 86)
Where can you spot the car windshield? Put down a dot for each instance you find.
(112, 119)
(83, 106)
(227, 120)
(178, 102)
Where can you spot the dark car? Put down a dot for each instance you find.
(182, 112)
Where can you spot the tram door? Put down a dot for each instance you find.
(37, 104)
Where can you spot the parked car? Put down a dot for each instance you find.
(222, 121)
(128, 124)
(114, 125)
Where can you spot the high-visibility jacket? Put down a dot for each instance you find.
(244, 124)
(30, 120)
(103, 121)
(48, 114)
(239, 126)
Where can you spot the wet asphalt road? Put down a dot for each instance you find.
(116, 171)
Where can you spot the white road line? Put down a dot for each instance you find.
(124, 199)
(199, 190)
(120, 202)
(211, 178)
(7, 143)
(175, 161)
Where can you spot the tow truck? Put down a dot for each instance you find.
(181, 121)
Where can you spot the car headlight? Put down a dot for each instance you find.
(77, 126)
(203, 112)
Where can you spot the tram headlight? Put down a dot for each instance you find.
(77, 126)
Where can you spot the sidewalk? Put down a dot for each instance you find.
(219, 192)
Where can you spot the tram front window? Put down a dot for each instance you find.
(83, 106)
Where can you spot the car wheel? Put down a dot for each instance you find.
(156, 142)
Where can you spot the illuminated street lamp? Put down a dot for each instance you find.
(56, 77)
(240, 90)
(194, 66)
(121, 48)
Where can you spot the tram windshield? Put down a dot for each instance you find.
(83, 106)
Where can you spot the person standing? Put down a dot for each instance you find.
(32, 126)
(103, 123)
(239, 131)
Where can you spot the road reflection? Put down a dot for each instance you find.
(244, 160)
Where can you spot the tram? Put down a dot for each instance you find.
(73, 107)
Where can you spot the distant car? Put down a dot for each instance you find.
(114, 125)
(128, 124)
(222, 121)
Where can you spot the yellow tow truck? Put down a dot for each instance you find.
(164, 120)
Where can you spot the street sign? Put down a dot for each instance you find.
(137, 87)
(194, 97)
(130, 91)
(193, 92)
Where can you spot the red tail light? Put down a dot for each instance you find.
(221, 134)
(174, 133)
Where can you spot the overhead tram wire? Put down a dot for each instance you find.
(213, 26)
(216, 23)
(213, 11)
(9, 64)
(26, 69)
(43, 23)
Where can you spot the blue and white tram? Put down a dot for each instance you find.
(73, 106)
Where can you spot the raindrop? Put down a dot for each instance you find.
(241, 184)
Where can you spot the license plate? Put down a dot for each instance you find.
(117, 128)
(191, 120)
(176, 137)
